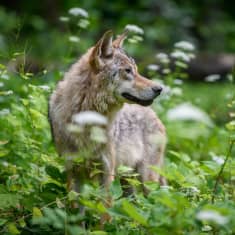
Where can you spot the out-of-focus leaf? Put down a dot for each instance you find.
(133, 213)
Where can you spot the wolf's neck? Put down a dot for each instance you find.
(93, 94)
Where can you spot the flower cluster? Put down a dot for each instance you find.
(78, 17)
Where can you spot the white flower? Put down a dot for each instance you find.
(5, 76)
(176, 91)
(5, 164)
(76, 11)
(180, 55)
(163, 57)
(89, 118)
(194, 189)
(134, 29)
(178, 82)
(185, 45)
(153, 67)
(206, 228)
(44, 87)
(1, 84)
(218, 159)
(213, 216)
(74, 39)
(4, 112)
(64, 19)
(166, 71)
(212, 78)
(9, 92)
(187, 111)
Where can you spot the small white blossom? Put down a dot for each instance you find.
(1, 84)
(134, 29)
(178, 82)
(218, 159)
(76, 11)
(176, 91)
(4, 112)
(5, 76)
(166, 71)
(206, 228)
(212, 216)
(64, 19)
(89, 118)
(194, 189)
(230, 77)
(74, 39)
(44, 87)
(187, 111)
(98, 134)
(5, 164)
(185, 45)
(9, 92)
(163, 57)
(180, 55)
(212, 78)
(153, 67)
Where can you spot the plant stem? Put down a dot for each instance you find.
(231, 143)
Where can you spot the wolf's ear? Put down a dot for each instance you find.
(117, 43)
(102, 50)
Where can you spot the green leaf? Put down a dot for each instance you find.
(36, 213)
(72, 195)
(2, 221)
(133, 213)
(22, 222)
(9, 200)
(116, 189)
(4, 152)
(53, 172)
(98, 233)
(12, 229)
(231, 125)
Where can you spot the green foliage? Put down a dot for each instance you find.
(200, 164)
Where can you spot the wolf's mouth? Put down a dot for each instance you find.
(137, 100)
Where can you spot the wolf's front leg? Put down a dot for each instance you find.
(75, 181)
(108, 178)
(108, 171)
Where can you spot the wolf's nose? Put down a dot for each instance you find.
(157, 90)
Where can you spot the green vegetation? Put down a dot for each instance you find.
(200, 164)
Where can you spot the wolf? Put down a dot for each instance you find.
(106, 80)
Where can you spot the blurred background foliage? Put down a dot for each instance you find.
(33, 26)
(38, 42)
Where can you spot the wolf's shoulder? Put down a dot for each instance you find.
(134, 115)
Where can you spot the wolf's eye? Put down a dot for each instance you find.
(128, 70)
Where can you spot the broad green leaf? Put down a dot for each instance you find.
(2, 221)
(22, 222)
(3, 152)
(12, 229)
(116, 189)
(53, 172)
(72, 195)
(36, 213)
(133, 213)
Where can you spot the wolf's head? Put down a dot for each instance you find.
(119, 71)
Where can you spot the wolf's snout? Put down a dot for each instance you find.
(157, 90)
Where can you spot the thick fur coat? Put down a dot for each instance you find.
(106, 80)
